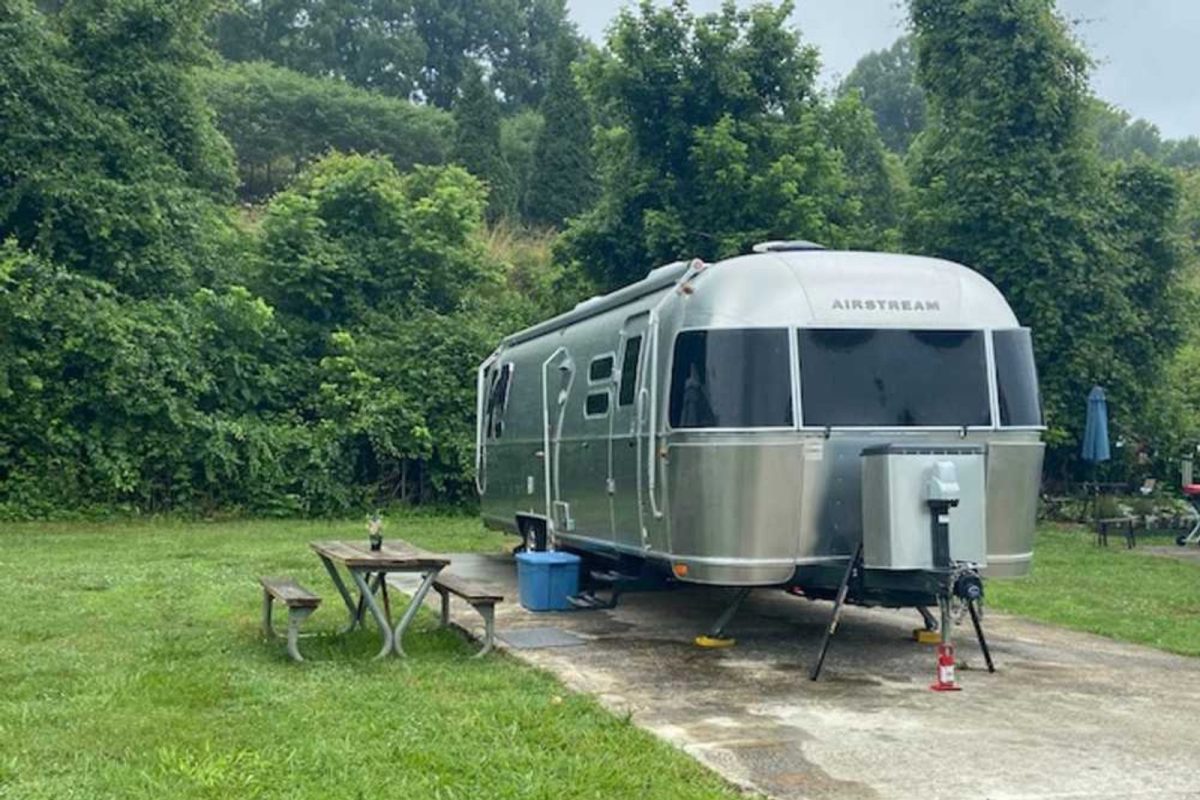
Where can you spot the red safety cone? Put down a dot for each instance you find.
(945, 670)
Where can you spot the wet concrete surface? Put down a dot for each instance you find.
(1067, 715)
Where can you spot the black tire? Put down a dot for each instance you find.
(1181, 539)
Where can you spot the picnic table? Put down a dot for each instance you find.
(362, 563)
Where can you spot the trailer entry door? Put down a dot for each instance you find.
(625, 439)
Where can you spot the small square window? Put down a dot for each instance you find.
(601, 369)
(596, 404)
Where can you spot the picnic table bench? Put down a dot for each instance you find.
(479, 598)
(300, 603)
(1124, 524)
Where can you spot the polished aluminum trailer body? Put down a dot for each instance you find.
(710, 419)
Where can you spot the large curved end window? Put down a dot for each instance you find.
(1016, 378)
(737, 378)
(893, 378)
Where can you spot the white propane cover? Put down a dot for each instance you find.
(898, 481)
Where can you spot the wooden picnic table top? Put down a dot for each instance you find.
(396, 554)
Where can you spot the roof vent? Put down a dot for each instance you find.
(793, 246)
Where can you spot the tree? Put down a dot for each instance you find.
(563, 182)
(390, 300)
(1122, 137)
(477, 145)
(887, 83)
(1007, 179)
(711, 140)
(519, 135)
(278, 120)
(353, 234)
(1184, 153)
(109, 162)
(875, 175)
(412, 49)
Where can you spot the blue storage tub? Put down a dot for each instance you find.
(547, 579)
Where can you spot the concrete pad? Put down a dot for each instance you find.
(1068, 715)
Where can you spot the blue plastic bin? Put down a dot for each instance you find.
(546, 580)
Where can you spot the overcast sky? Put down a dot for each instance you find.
(1148, 51)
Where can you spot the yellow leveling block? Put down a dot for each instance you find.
(709, 641)
(922, 636)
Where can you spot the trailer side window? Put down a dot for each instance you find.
(893, 378)
(629, 365)
(497, 401)
(600, 369)
(731, 378)
(1016, 378)
(596, 404)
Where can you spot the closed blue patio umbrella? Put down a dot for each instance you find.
(1095, 435)
(1095, 429)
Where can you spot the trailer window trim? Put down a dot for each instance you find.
(606, 394)
(608, 359)
(627, 379)
(786, 374)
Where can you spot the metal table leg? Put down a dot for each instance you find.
(351, 606)
(381, 583)
(411, 611)
(385, 629)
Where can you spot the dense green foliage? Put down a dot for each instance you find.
(477, 145)
(109, 163)
(562, 183)
(1123, 137)
(158, 356)
(713, 138)
(1006, 179)
(519, 135)
(887, 83)
(278, 120)
(390, 300)
(413, 49)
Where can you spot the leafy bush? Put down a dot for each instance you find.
(278, 121)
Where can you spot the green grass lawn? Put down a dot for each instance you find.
(1123, 594)
(132, 666)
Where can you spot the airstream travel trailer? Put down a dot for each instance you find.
(768, 419)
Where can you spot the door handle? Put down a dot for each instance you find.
(539, 453)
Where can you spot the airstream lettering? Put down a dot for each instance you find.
(715, 421)
(858, 304)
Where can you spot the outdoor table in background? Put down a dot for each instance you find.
(362, 563)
